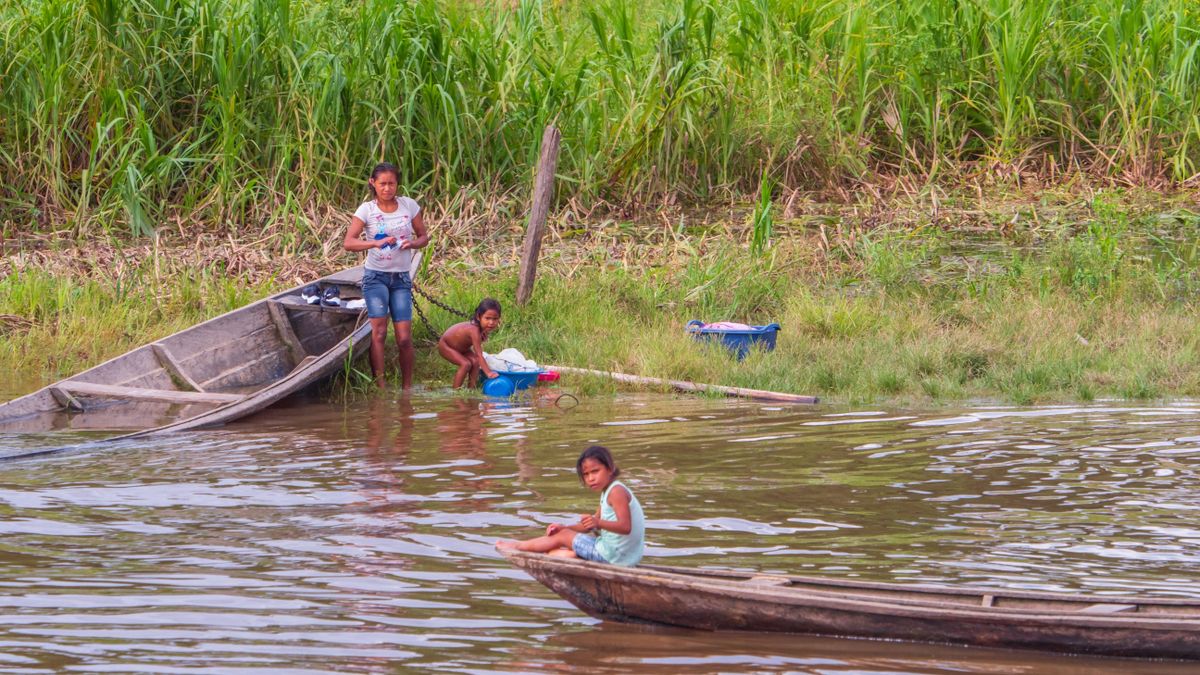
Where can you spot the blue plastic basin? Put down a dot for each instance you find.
(508, 382)
(737, 341)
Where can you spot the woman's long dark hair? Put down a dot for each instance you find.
(380, 169)
(600, 454)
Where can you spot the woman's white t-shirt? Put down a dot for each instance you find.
(396, 224)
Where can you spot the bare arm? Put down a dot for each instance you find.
(422, 234)
(619, 500)
(355, 242)
(477, 349)
(575, 527)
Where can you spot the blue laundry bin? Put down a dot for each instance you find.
(737, 341)
(508, 382)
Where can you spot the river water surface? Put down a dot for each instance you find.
(358, 538)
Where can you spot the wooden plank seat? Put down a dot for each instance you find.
(283, 326)
(163, 395)
(178, 374)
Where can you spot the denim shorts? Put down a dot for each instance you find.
(584, 546)
(386, 291)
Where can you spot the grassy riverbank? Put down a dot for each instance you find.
(1047, 310)
(1032, 299)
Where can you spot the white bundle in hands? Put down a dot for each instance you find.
(510, 360)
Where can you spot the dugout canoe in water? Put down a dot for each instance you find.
(206, 375)
(725, 600)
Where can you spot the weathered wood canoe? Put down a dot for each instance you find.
(724, 600)
(206, 375)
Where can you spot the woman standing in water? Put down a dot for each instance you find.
(393, 228)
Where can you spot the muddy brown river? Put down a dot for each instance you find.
(322, 537)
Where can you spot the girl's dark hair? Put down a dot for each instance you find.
(380, 169)
(600, 454)
(484, 305)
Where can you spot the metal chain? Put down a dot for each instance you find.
(438, 303)
(418, 291)
(436, 335)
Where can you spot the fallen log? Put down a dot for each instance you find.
(682, 385)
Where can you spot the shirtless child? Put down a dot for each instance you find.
(462, 343)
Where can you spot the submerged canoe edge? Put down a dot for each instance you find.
(712, 600)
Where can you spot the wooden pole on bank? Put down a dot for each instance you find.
(543, 193)
(683, 385)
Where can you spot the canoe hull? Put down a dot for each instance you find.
(1051, 622)
(209, 374)
(331, 361)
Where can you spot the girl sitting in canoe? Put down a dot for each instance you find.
(619, 521)
(462, 343)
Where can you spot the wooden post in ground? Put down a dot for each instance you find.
(543, 193)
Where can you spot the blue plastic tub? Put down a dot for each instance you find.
(508, 382)
(737, 341)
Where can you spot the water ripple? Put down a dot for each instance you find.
(359, 537)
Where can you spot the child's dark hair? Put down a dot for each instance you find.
(484, 305)
(380, 169)
(600, 454)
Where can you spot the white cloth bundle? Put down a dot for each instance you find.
(510, 360)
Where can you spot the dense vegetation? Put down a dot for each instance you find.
(237, 132)
(1058, 299)
(122, 115)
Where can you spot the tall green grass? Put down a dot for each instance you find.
(115, 116)
(74, 322)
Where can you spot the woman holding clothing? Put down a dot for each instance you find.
(389, 229)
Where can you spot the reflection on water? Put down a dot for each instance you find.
(18, 383)
(321, 538)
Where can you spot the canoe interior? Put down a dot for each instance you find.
(193, 372)
(964, 597)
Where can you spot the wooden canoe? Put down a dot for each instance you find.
(206, 375)
(726, 600)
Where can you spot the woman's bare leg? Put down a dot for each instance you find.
(378, 340)
(405, 348)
